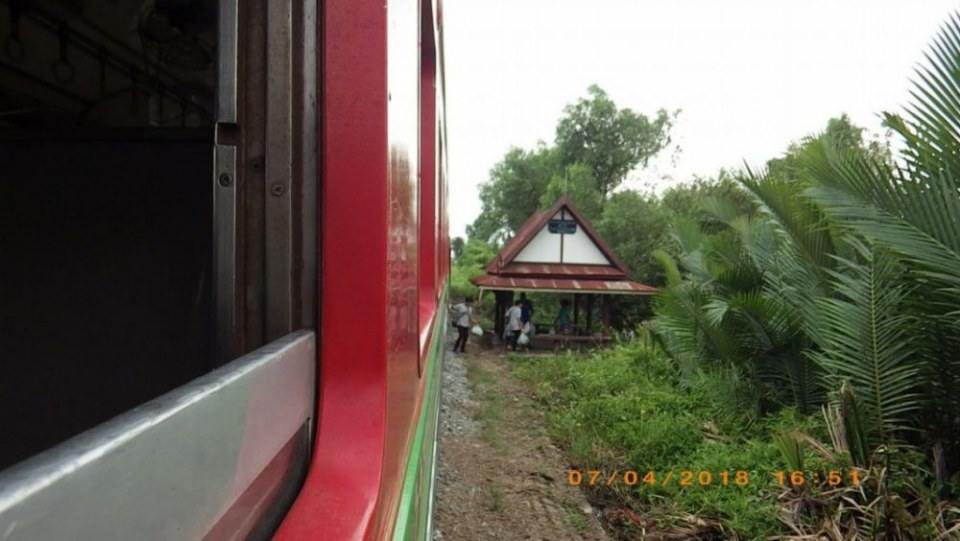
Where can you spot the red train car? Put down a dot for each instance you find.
(224, 245)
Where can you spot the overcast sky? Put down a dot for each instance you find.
(749, 76)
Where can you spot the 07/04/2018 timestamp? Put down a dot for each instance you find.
(706, 478)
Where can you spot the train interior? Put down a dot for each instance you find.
(106, 134)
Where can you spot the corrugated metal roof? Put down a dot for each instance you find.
(618, 287)
(565, 270)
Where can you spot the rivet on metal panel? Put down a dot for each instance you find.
(278, 189)
(224, 180)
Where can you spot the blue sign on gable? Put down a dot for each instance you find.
(565, 227)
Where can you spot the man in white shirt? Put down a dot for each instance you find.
(463, 315)
(514, 317)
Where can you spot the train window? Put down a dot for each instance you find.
(106, 134)
(158, 226)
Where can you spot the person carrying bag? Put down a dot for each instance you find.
(463, 317)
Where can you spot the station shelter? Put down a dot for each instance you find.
(559, 251)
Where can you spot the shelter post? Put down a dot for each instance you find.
(605, 308)
(576, 313)
(497, 316)
(590, 314)
(504, 301)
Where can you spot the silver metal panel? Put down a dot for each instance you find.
(228, 28)
(172, 468)
(225, 251)
(278, 168)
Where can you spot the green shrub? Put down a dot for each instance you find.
(627, 408)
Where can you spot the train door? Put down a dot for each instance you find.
(157, 265)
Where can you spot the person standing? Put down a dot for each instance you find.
(514, 317)
(526, 318)
(562, 321)
(463, 316)
(526, 309)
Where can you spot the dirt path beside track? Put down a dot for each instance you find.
(499, 476)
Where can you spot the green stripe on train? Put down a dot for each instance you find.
(413, 517)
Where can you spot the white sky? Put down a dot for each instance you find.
(749, 76)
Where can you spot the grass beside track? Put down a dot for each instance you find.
(623, 409)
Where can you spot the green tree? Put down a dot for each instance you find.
(842, 133)
(457, 246)
(688, 199)
(476, 253)
(578, 183)
(635, 225)
(610, 141)
(513, 192)
(473, 258)
(597, 144)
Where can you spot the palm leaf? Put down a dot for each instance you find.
(803, 377)
(669, 265)
(869, 341)
(796, 285)
(913, 209)
(797, 219)
(790, 449)
(686, 330)
(769, 336)
(934, 259)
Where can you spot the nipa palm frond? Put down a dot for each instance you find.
(869, 341)
(801, 222)
(933, 137)
(797, 285)
(914, 209)
(936, 260)
(670, 269)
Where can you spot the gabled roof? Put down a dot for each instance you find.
(503, 261)
(506, 273)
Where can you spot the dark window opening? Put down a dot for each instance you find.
(106, 134)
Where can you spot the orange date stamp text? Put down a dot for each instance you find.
(708, 478)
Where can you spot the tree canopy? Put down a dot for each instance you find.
(597, 145)
(513, 192)
(577, 182)
(608, 140)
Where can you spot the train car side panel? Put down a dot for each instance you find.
(384, 267)
(403, 118)
(340, 494)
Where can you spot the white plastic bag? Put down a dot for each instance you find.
(523, 339)
(477, 330)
